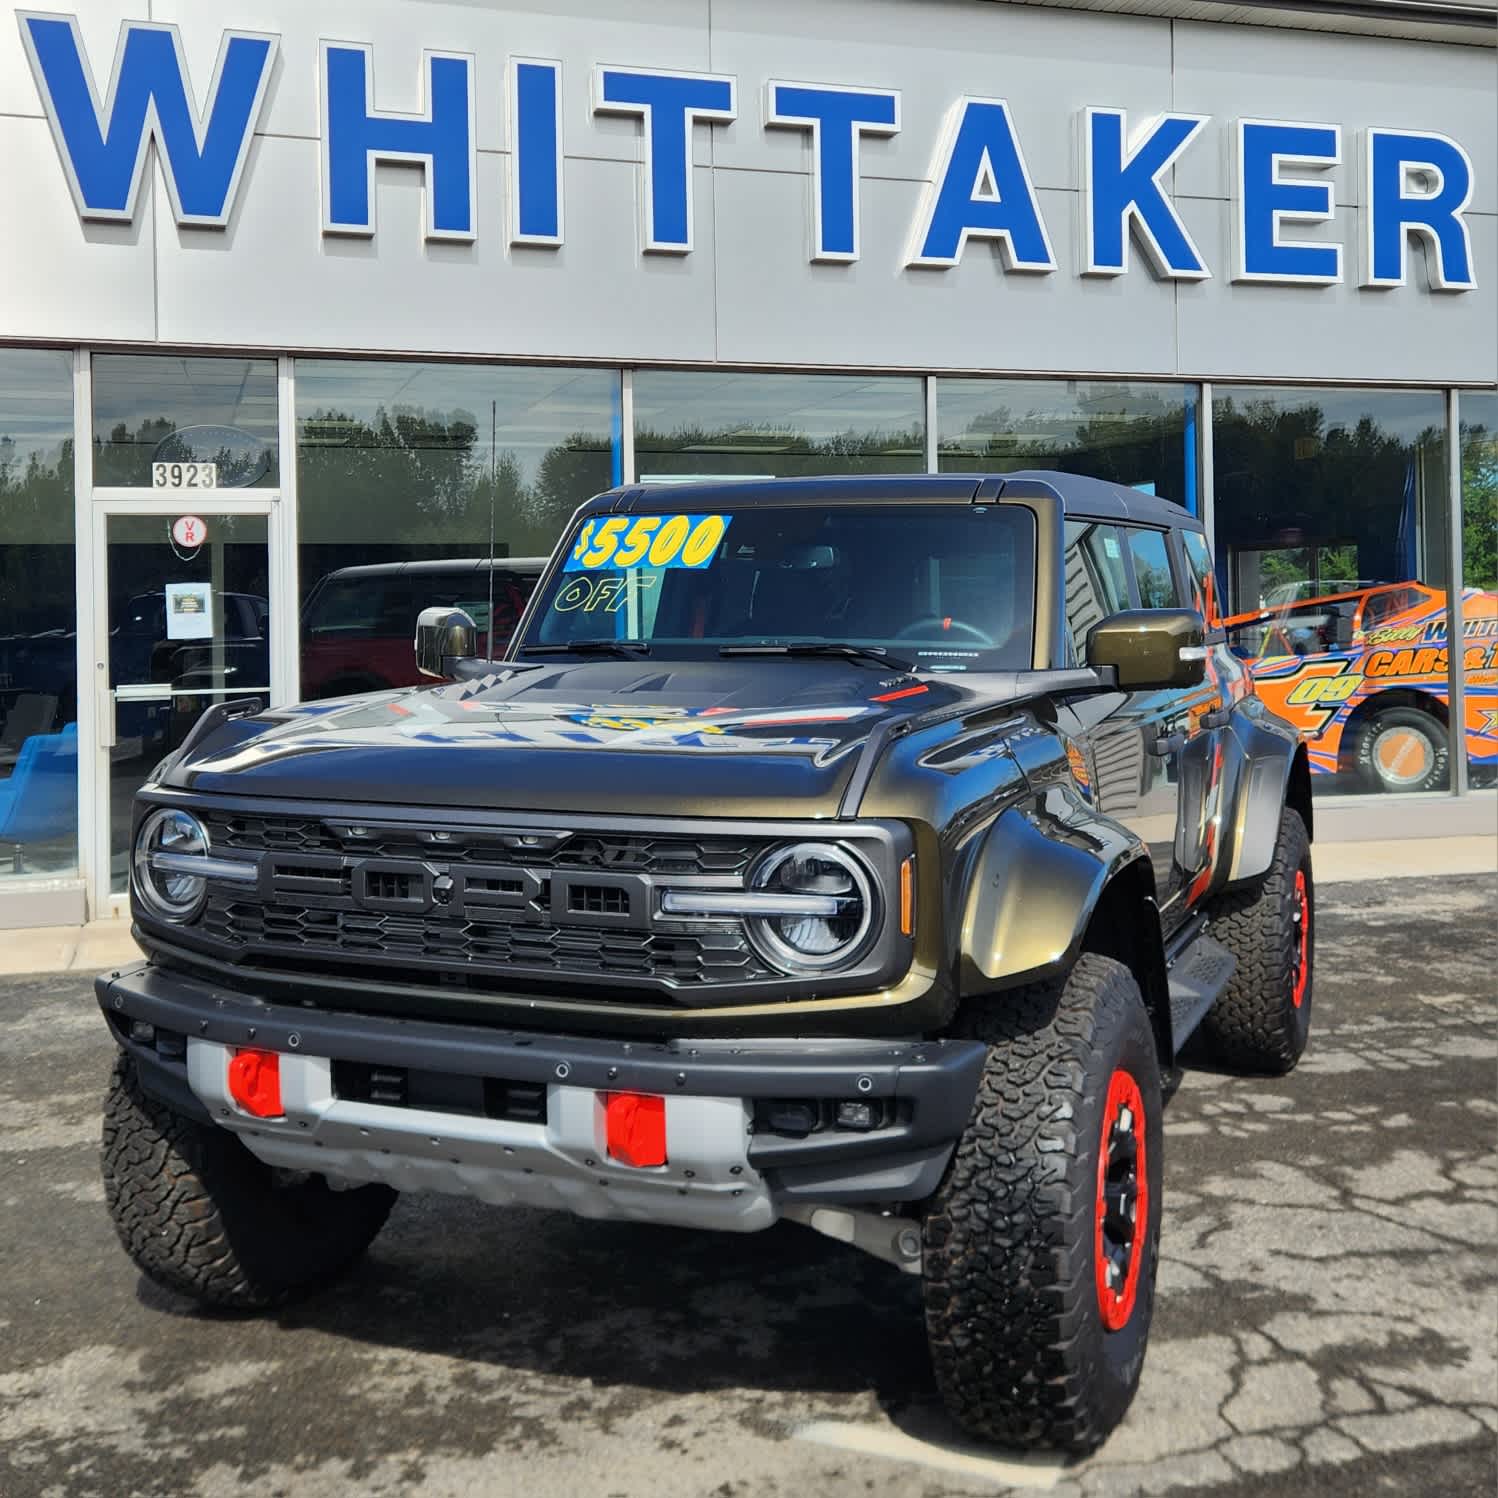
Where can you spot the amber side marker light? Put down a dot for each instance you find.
(255, 1082)
(907, 896)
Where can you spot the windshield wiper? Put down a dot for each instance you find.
(875, 655)
(591, 647)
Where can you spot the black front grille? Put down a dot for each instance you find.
(620, 852)
(481, 908)
(386, 884)
(294, 933)
(597, 899)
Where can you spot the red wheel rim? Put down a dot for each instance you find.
(1301, 962)
(1122, 1212)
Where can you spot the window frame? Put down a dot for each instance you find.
(1129, 528)
(1074, 648)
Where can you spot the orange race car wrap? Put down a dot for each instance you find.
(1331, 665)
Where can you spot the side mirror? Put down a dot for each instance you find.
(444, 636)
(1151, 650)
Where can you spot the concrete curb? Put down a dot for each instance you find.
(103, 944)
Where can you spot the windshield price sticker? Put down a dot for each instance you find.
(622, 542)
(184, 475)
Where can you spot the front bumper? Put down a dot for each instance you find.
(726, 1168)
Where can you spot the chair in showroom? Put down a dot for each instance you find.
(39, 802)
(31, 713)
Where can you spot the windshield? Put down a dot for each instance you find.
(942, 587)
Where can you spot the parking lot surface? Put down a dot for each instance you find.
(1327, 1316)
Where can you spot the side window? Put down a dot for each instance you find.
(1203, 584)
(348, 607)
(1157, 589)
(1096, 582)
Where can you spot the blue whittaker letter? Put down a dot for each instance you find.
(668, 103)
(150, 99)
(837, 118)
(356, 135)
(535, 152)
(1123, 187)
(981, 189)
(1435, 213)
(1266, 201)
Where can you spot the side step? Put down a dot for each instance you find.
(1197, 977)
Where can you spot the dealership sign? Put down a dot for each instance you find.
(1416, 185)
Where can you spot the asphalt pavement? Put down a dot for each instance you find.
(1327, 1318)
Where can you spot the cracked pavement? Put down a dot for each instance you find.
(1327, 1317)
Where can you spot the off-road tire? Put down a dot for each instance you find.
(1013, 1307)
(1256, 1025)
(1415, 724)
(200, 1215)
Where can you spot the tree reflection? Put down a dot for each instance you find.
(414, 482)
(1480, 505)
(778, 450)
(1322, 502)
(1128, 435)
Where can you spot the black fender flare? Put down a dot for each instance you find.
(1265, 768)
(1034, 883)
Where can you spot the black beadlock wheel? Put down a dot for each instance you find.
(200, 1215)
(1262, 1020)
(1041, 1244)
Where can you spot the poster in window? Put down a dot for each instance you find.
(189, 611)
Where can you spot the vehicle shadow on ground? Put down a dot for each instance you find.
(621, 1304)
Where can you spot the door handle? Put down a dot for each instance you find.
(104, 711)
(1219, 717)
(1168, 744)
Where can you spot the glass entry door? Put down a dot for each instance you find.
(185, 624)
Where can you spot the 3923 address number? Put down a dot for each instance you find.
(184, 475)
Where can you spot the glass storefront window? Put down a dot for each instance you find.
(1137, 434)
(215, 416)
(1330, 526)
(404, 471)
(1479, 459)
(38, 618)
(693, 425)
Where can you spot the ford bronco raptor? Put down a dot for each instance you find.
(857, 851)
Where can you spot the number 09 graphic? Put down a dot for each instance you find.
(625, 541)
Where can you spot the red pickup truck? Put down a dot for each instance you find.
(358, 622)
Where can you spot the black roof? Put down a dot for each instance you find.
(526, 566)
(1079, 495)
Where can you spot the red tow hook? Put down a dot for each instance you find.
(636, 1127)
(255, 1082)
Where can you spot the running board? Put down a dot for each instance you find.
(1197, 977)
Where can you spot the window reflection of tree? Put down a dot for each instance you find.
(776, 449)
(1480, 498)
(413, 483)
(1328, 500)
(1128, 435)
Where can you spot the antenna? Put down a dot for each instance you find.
(493, 498)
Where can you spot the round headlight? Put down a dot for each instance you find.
(828, 907)
(166, 840)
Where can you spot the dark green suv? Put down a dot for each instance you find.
(862, 852)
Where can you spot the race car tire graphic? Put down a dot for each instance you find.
(1261, 1021)
(1035, 1340)
(200, 1215)
(1402, 749)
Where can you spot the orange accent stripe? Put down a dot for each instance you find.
(907, 896)
(903, 692)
